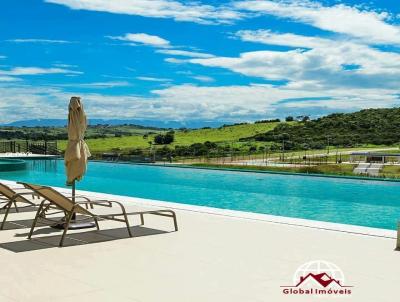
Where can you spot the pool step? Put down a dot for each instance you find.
(371, 169)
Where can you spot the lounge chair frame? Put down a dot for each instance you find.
(84, 213)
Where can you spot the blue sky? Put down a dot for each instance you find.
(224, 61)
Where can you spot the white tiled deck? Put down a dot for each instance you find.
(215, 256)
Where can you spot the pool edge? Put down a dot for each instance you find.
(235, 214)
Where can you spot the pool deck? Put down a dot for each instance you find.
(216, 255)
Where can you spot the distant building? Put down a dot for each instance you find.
(375, 157)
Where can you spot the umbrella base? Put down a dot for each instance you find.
(74, 225)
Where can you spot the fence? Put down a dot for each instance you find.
(36, 147)
(227, 158)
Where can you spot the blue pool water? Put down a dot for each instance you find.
(348, 201)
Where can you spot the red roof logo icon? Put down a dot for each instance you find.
(323, 279)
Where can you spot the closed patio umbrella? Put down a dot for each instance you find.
(77, 152)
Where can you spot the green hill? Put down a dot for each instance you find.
(370, 126)
(185, 137)
(363, 128)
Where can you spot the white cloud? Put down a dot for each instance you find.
(365, 24)
(264, 64)
(183, 102)
(162, 46)
(233, 102)
(98, 85)
(9, 79)
(184, 53)
(23, 102)
(177, 10)
(44, 41)
(61, 65)
(325, 66)
(151, 79)
(327, 62)
(184, 72)
(203, 78)
(285, 39)
(175, 61)
(142, 38)
(22, 71)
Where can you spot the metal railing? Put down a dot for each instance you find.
(26, 146)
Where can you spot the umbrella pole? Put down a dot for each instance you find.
(73, 198)
(74, 225)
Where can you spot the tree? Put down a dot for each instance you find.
(369, 126)
(159, 139)
(289, 118)
(166, 139)
(210, 145)
(169, 137)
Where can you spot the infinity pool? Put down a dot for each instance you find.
(347, 201)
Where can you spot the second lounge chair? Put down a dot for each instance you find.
(53, 198)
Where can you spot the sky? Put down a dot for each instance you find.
(204, 60)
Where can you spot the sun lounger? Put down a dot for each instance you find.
(66, 205)
(10, 196)
(13, 196)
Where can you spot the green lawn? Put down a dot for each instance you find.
(110, 143)
(391, 171)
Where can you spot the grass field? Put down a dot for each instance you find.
(114, 143)
(230, 134)
(224, 134)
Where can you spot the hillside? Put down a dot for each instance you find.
(370, 126)
(185, 137)
(363, 128)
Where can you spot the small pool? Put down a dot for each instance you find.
(7, 165)
(348, 201)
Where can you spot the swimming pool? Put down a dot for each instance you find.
(347, 201)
